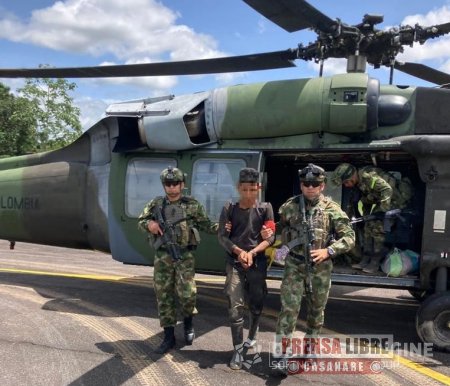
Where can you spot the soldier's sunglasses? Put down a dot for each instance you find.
(168, 184)
(314, 184)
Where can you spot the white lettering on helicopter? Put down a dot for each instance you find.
(21, 203)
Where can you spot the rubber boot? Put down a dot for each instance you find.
(237, 335)
(189, 333)
(363, 263)
(253, 329)
(168, 342)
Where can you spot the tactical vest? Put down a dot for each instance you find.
(315, 216)
(178, 214)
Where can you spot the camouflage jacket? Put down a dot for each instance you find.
(381, 191)
(331, 225)
(192, 218)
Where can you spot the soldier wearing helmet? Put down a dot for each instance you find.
(379, 191)
(174, 278)
(329, 222)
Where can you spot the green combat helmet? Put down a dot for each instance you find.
(172, 174)
(343, 172)
(312, 173)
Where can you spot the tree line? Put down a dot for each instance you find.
(40, 117)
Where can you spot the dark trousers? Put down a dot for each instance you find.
(245, 287)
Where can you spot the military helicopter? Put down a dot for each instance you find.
(90, 193)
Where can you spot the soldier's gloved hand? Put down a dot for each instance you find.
(281, 253)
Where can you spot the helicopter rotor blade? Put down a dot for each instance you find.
(424, 72)
(254, 62)
(434, 31)
(293, 15)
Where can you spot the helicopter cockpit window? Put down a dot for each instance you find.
(214, 183)
(143, 183)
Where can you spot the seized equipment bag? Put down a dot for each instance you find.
(399, 263)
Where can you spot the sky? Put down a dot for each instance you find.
(71, 33)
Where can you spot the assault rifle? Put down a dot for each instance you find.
(168, 238)
(306, 238)
(387, 218)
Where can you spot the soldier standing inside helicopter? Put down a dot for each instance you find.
(174, 275)
(246, 264)
(332, 235)
(380, 192)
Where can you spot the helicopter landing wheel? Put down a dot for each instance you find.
(433, 321)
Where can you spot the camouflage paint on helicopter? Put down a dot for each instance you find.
(322, 113)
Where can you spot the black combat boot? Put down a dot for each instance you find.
(168, 342)
(379, 251)
(367, 254)
(237, 334)
(189, 333)
(374, 264)
(281, 364)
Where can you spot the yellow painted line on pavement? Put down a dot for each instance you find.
(62, 274)
(269, 312)
(423, 370)
(96, 277)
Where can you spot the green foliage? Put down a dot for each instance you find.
(17, 125)
(57, 119)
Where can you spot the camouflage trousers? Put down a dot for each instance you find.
(245, 287)
(291, 292)
(374, 237)
(174, 282)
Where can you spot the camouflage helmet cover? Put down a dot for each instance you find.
(172, 174)
(343, 172)
(312, 173)
(248, 175)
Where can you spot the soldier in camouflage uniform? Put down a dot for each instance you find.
(333, 236)
(380, 192)
(175, 278)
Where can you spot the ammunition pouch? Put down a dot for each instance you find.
(194, 238)
(154, 241)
